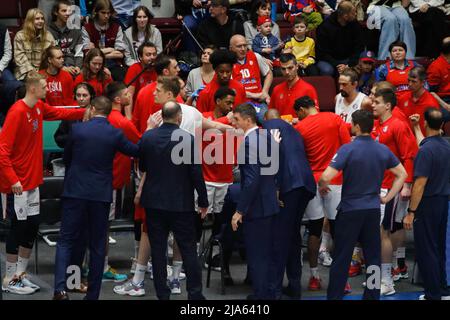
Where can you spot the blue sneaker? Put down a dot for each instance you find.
(175, 286)
(111, 274)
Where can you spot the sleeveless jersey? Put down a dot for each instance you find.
(248, 74)
(345, 111)
(399, 78)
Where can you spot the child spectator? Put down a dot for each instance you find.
(265, 43)
(366, 70)
(302, 47)
(259, 8)
(308, 8)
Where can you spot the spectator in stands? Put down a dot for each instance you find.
(309, 9)
(260, 8)
(248, 69)
(220, 26)
(265, 43)
(192, 12)
(438, 77)
(59, 81)
(302, 47)
(68, 39)
(124, 8)
(432, 16)
(83, 95)
(147, 56)
(141, 31)
(285, 94)
(103, 33)
(30, 42)
(222, 61)
(339, 40)
(94, 72)
(392, 18)
(366, 70)
(200, 77)
(396, 69)
(417, 99)
(9, 83)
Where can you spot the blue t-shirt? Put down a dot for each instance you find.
(433, 161)
(363, 162)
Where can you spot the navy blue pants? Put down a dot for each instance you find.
(351, 227)
(430, 228)
(259, 238)
(287, 241)
(79, 215)
(159, 223)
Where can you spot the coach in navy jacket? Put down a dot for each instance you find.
(168, 198)
(297, 187)
(258, 204)
(87, 195)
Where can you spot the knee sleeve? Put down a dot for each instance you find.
(315, 227)
(12, 246)
(27, 231)
(137, 230)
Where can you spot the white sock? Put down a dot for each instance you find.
(315, 272)
(401, 252)
(176, 269)
(386, 275)
(11, 268)
(139, 274)
(326, 241)
(22, 264)
(106, 266)
(136, 249)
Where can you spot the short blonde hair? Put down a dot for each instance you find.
(32, 78)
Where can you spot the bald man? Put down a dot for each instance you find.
(272, 114)
(296, 188)
(248, 70)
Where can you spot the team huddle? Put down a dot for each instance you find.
(358, 177)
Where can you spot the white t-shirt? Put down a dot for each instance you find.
(191, 120)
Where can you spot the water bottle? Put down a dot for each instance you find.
(102, 41)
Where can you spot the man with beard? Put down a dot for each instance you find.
(147, 55)
(349, 99)
(284, 95)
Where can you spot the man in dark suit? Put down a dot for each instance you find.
(87, 195)
(258, 205)
(168, 156)
(296, 187)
